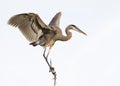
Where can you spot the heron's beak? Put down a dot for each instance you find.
(81, 32)
(78, 30)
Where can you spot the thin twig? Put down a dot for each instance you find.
(54, 73)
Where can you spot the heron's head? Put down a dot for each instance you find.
(75, 28)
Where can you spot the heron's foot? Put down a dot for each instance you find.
(52, 69)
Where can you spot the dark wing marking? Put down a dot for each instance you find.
(30, 24)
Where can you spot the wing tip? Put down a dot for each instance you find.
(11, 23)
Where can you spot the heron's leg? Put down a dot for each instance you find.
(44, 52)
(48, 52)
(46, 58)
(52, 69)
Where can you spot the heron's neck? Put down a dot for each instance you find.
(67, 37)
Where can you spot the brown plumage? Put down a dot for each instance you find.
(38, 33)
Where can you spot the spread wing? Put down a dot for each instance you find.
(30, 24)
(56, 20)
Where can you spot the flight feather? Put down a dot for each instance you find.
(29, 24)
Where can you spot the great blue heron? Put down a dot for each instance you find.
(38, 33)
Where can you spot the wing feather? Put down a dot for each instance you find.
(29, 24)
(56, 20)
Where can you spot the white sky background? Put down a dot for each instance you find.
(92, 60)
